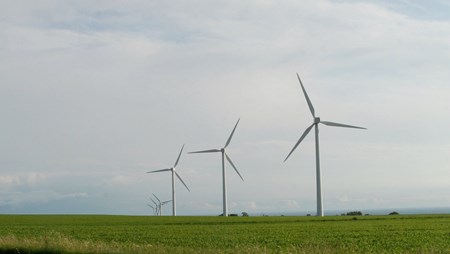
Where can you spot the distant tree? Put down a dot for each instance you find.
(354, 213)
(233, 214)
(394, 213)
(308, 214)
(244, 214)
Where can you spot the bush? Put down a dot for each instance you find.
(394, 213)
(354, 213)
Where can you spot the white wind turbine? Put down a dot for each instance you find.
(160, 204)
(174, 173)
(224, 155)
(316, 128)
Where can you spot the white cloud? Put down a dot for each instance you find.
(22, 180)
(123, 180)
(292, 204)
(7, 180)
(18, 199)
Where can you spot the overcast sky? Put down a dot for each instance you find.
(95, 93)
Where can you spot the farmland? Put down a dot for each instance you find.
(141, 234)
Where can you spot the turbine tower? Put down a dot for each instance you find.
(224, 155)
(174, 173)
(316, 128)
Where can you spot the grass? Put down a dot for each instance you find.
(139, 234)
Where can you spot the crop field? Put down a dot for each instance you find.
(141, 234)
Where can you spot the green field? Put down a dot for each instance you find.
(139, 234)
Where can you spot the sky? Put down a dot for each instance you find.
(93, 94)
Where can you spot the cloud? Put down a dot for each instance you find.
(123, 180)
(250, 205)
(22, 180)
(292, 204)
(18, 199)
(209, 206)
(367, 201)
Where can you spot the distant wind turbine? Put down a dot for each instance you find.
(316, 128)
(174, 173)
(153, 208)
(157, 207)
(224, 155)
(160, 204)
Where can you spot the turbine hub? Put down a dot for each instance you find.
(317, 120)
(222, 150)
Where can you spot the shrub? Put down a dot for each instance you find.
(354, 213)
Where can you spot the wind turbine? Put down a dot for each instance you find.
(153, 208)
(160, 204)
(316, 128)
(157, 207)
(174, 173)
(224, 155)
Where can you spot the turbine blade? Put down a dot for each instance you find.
(229, 160)
(150, 206)
(231, 135)
(179, 177)
(300, 140)
(208, 151)
(157, 198)
(156, 204)
(311, 108)
(178, 159)
(341, 125)
(161, 170)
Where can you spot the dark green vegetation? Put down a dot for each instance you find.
(354, 213)
(134, 234)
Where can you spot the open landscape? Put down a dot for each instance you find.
(283, 234)
(152, 126)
